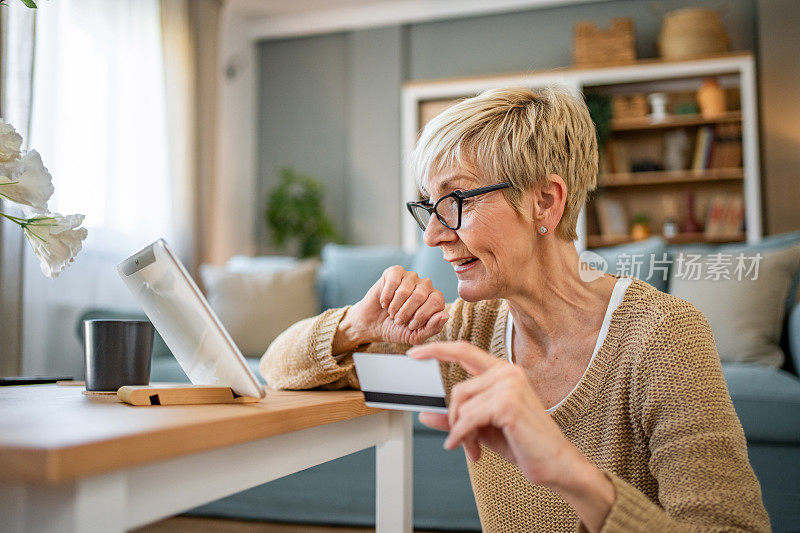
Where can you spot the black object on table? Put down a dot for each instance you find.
(31, 380)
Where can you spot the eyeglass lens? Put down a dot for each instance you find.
(421, 215)
(447, 210)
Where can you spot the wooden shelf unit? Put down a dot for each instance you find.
(598, 241)
(656, 190)
(668, 177)
(672, 121)
(661, 195)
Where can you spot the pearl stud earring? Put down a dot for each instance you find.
(543, 230)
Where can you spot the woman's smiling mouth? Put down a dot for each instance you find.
(460, 265)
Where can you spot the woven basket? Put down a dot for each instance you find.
(593, 47)
(628, 105)
(690, 33)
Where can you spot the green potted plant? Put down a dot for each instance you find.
(599, 106)
(295, 214)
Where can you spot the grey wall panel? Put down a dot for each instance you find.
(302, 119)
(779, 82)
(330, 105)
(542, 38)
(375, 66)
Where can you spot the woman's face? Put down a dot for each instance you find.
(493, 242)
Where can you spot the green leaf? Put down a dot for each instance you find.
(599, 106)
(295, 213)
(29, 3)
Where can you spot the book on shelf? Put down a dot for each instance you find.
(726, 150)
(725, 216)
(718, 146)
(618, 159)
(702, 147)
(611, 217)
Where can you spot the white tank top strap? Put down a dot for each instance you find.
(617, 296)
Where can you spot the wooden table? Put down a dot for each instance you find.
(75, 463)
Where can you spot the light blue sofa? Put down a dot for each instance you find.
(341, 492)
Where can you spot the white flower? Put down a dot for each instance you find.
(56, 240)
(26, 181)
(10, 141)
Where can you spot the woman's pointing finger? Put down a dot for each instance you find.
(472, 359)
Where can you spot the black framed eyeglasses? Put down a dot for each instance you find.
(448, 208)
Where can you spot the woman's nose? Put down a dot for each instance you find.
(437, 233)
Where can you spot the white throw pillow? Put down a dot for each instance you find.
(257, 306)
(745, 316)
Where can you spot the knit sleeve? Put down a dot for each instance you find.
(301, 357)
(698, 453)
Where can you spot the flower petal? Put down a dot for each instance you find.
(10, 142)
(55, 240)
(26, 181)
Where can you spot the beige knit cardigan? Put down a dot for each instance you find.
(652, 411)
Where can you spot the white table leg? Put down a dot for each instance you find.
(394, 470)
(90, 505)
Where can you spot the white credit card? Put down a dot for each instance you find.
(391, 381)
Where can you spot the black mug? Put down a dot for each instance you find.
(117, 353)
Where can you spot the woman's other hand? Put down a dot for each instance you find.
(400, 307)
(499, 409)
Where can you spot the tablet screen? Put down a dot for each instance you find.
(183, 318)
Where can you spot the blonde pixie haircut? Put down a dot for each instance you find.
(517, 135)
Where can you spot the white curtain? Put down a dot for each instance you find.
(99, 122)
(16, 42)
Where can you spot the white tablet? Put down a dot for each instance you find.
(181, 315)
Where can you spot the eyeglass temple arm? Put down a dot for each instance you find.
(482, 190)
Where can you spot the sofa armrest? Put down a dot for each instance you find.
(793, 330)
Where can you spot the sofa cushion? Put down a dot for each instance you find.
(793, 336)
(168, 370)
(646, 260)
(347, 272)
(767, 401)
(245, 264)
(256, 306)
(766, 244)
(745, 308)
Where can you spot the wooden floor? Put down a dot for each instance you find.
(191, 524)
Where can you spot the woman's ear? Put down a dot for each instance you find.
(549, 201)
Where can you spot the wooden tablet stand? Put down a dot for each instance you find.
(180, 395)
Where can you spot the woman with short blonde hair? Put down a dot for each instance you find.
(595, 404)
(519, 136)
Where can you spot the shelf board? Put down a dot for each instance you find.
(667, 177)
(672, 121)
(598, 241)
(645, 62)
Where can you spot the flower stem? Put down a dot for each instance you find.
(15, 220)
(6, 196)
(28, 234)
